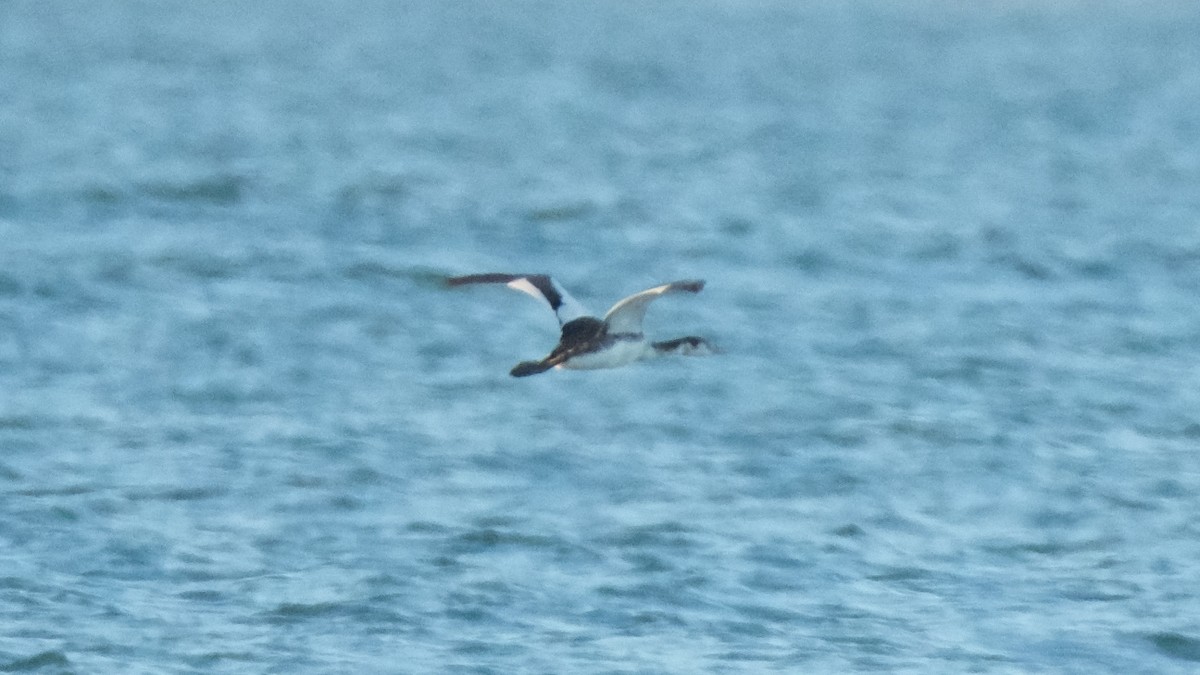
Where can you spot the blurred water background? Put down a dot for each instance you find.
(952, 254)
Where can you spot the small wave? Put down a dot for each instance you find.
(488, 538)
(666, 534)
(292, 612)
(36, 662)
(58, 491)
(21, 422)
(218, 190)
(10, 286)
(561, 211)
(1175, 645)
(178, 494)
(210, 659)
(200, 264)
(221, 189)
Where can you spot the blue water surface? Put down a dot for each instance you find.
(953, 263)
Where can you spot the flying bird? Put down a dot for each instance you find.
(587, 342)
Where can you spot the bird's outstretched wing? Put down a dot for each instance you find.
(540, 286)
(626, 316)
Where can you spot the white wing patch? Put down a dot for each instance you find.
(626, 316)
(568, 307)
(540, 286)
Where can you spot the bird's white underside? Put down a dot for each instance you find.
(619, 353)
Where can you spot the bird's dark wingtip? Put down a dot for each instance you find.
(489, 278)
